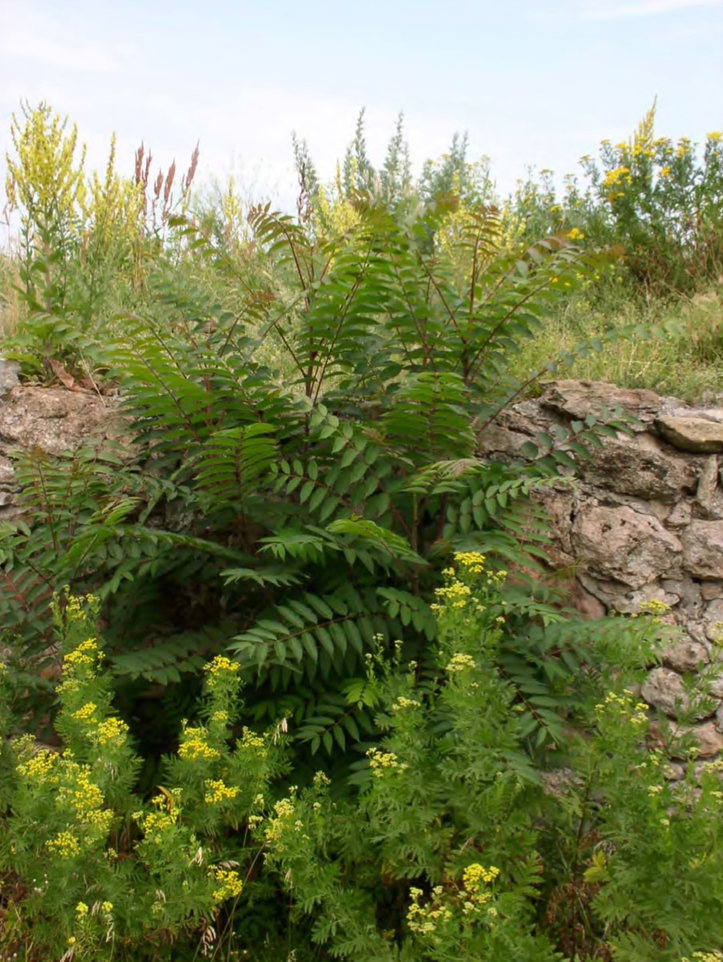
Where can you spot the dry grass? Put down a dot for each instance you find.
(11, 306)
(673, 348)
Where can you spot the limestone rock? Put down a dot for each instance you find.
(713, 619)
(685, 654)
(707, 486)
(703, 549)
(578, 399)
(9, 371)
(680, 515)
(689, 433)
(619, 543)
(640, 468)
(55, 419)
(7, 473)
(716, 686)
(707, 737)
(710, 590)
(663, 689)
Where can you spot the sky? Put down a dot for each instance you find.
(533, 83)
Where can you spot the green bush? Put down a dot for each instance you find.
(659, 202)
(91, 870)
(300, 472)
(459, 840)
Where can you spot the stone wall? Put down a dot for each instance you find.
(643, 522)
(50, 420)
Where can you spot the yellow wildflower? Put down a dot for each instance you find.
(194, 746)
(461, 663)
(84, 655)
(473, 561)
(39, 766)
(112, 731)
(380, 761)
(217, 791)
(455, 594)
(86, 712)
(64, 844)
(230, 884)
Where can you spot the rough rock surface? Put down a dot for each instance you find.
(644, 523)
(698, 434)
(624, 545)
(50, 420)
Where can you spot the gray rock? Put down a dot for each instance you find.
(9, 379)
(578, 399)
(663, 689)
(707, 737)
(55, 419)
(696, 434)
(713, 618)
(685, 654)
(621, 544)
(640, 468)
(680, 515)
(703, 549)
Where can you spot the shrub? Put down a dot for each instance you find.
(88, 868)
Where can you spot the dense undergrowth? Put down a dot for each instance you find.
(300, 511)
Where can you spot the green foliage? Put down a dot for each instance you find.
(262, 504)
(459, 840)
(658, 201)
(461, 845)
(88, 868)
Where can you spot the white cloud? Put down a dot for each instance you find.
(29, 46)
(630, 9)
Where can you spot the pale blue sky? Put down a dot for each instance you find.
(534, 83)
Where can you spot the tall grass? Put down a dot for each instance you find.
(681, 353)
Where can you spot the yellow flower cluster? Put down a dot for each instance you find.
(85, 655)
(714, 956)
(401, 703)
(64, 844)
(461, 663)
(194, 746)
(39, 766)
(379, 762)
(218, 791)
(229, 884)
(654, 607)
(284, 810)
(87, 712)
(473, 561)
(155, 825)
(112, 731)
(249, 739)
(476, 875)
(423, 919)
(613, 177)
(623, 705)
(221, 667)
(455, 594)
(576, 234)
